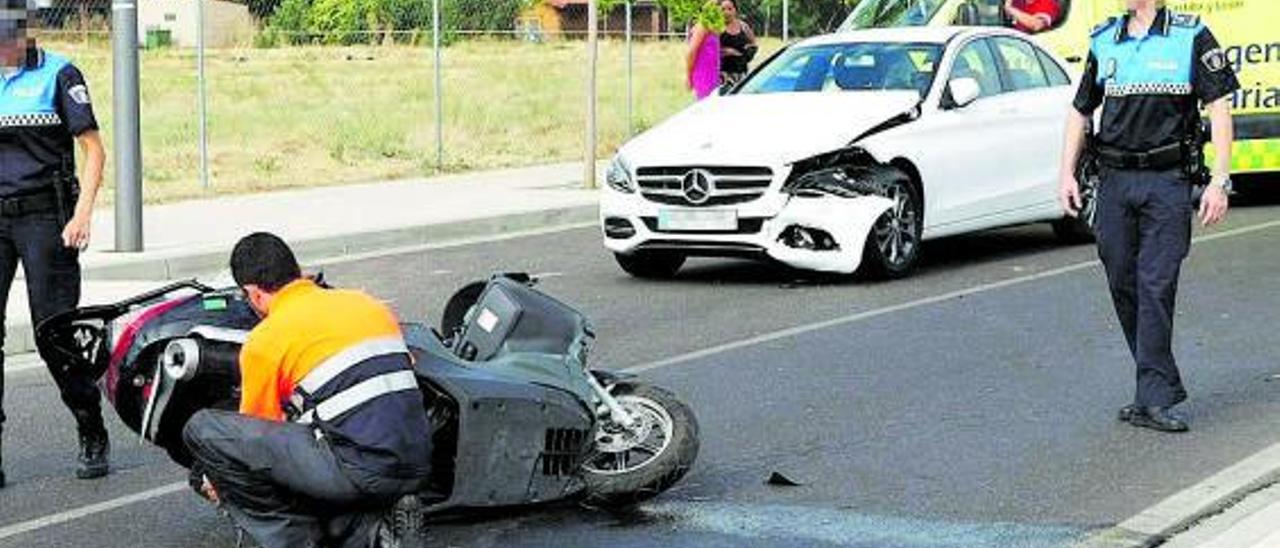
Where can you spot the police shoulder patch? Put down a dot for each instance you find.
(1103, 26)
(1188, 20)
(79, 93)
(1214, 60)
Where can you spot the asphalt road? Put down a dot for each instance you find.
(970, 405)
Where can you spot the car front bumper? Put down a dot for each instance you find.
(825, 234)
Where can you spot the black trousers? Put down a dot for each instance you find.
(284, 486)
(1144, 233)
(53, 285)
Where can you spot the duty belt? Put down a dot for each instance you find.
(1165, 157)
(17, 206)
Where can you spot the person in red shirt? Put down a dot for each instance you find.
(1033, 16)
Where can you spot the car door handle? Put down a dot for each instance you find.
(1075, 59)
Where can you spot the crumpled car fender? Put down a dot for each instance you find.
(848, 220)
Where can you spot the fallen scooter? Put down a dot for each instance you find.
(518, 418)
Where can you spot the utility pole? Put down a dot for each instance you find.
(128, 140)
(435, 46)
(202, 86)
(786, 21)
(589, 153)
(630, 77)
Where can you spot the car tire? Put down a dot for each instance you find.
(650, 265)
(893, 246)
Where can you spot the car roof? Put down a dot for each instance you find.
(935, 35)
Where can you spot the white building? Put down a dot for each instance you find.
(226, 23)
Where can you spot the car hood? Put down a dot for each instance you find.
(766, 129)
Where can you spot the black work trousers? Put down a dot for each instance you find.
(1143, 228)
(52, 273)
(284, 486)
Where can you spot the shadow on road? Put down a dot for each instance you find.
(936, 255)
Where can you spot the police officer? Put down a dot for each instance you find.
(44, 213)
(1151, 70)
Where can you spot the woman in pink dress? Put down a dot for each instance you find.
(702, 62)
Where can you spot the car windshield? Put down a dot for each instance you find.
(848, 67)
(875, 14)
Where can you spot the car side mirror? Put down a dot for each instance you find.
(964, 91)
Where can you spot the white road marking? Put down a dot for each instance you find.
(852, 318)
(419, 248)
(869, 314)
(90, 510)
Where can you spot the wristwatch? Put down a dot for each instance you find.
(1223, 182)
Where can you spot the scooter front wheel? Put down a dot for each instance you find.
(631, 464)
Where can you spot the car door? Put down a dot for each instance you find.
(959, 149)
(1037, 104)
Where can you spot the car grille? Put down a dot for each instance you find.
(729, 185)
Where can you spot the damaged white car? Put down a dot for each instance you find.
(844, 152)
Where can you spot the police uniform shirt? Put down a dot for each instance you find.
(1151, 84)
(43, 107)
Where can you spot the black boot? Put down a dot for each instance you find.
(1159, 418)
(94, 449)
(1127, 412)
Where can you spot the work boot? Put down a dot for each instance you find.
(1127, 412)
(94, 450)
(402, 526)
(1159, 418)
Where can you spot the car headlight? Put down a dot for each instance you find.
(619, 176)
(835, 181)
(845, 173)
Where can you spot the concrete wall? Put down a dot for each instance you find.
(226, 24)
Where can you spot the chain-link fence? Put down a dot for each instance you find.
(310, 92)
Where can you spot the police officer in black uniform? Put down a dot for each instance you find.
(1151, 71)
(45, 213)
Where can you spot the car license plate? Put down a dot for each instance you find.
(700, 220)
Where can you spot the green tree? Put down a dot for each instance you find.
(481, 15)
(807, 17)
(341, 21)
(263, 9)
(704, 12)
(290, 19)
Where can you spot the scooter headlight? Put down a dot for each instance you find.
(181, 359)
(619, 176)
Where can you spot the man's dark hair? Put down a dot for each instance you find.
(264, 260)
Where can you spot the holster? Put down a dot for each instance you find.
(67, 189)
(1089, 176)
(1197, 171)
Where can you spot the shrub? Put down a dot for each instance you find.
(342, 22)
(290, 19)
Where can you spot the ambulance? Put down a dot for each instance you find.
(1247, 29)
